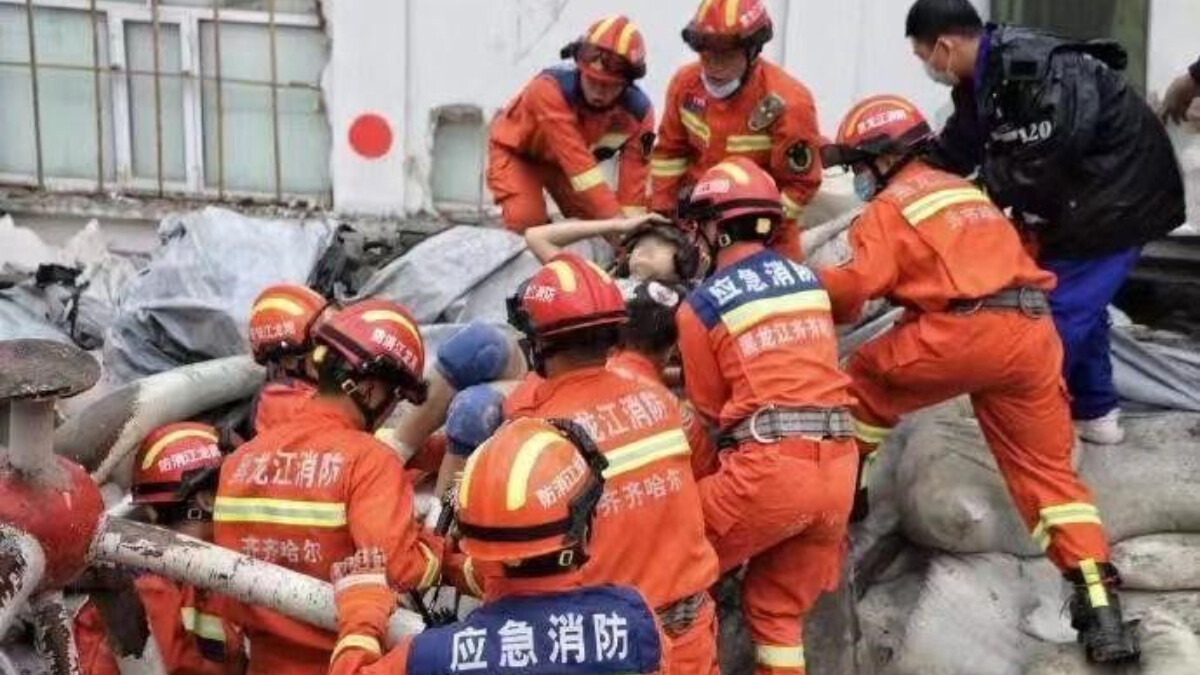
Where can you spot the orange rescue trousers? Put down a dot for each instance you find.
(517, 184)
(1010, 365)
(782, 507)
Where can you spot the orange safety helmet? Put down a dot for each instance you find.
(376, 338)
(529, 491)
(568, 294)
(877, 126)
(172, 459)
(723, 25)
(281, 320)
(611, 49)
(731, 194)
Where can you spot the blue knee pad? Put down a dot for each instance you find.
(474, 415)
(473, 355)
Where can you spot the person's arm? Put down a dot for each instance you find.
(547, 241)
(795, 154)
(958, 148)
(364, 603)
(872, 270)
(706, 389)
(1183, 90)
(672, 155)
(634, 173)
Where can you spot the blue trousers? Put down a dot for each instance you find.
(1080, 307)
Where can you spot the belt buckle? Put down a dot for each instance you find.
(759, 438)
(967, 308)
(1027, 302)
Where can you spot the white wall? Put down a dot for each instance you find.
(1174, 42)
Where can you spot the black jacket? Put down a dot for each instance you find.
(1059, 136)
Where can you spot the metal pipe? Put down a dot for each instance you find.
(275, 100)
(158, 132)
(33, 83)
(53, 637)
(96, 98)
(22, 564)
(241, 577)
(31, 440)
(66, 67)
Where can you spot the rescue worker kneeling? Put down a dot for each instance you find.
(281, 323)
(174, 482)
(309, 492)
(978, 324)
(526, 503)
(760, 362)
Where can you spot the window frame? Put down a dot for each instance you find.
(116, 16)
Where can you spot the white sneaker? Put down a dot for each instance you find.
(1104, 430)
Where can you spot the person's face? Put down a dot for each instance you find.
(939, 56)
(197, 524)
(600, 93)
(653, 259)
(724, 66)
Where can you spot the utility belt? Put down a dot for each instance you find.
(1032, 302)
(677, 618)
(772, 424)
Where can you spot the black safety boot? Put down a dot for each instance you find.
(1096, 614)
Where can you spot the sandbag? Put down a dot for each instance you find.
(1168, 648)
(192, 303)
(1184, 605)
(952, 497)
(1150, 374)
(1159, 562)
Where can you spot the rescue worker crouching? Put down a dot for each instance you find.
(977, 325)
(553, 135)
(540, 615)
(760, 363)
(734, 103)
(311, 491)
(174, 481)
(281, 322)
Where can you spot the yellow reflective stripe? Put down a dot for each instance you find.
(737, 173)
(353, 641)
(703, 9)
(869, 433)
(752, 313)
(602, 28)
(469, 576)
(433, 566)
(668, 168)
(731, 13)
(279, 512)
(203, 625)
(611, 141)
(464, 485)
(1063, 514)
(640, 453)
(522, 467)
(927, 206)
(625, 38)
(791, 208)
(748, 143)
(394, 317)
(633, 211)
(564, 273)
(158, 447)
(284, 305)
(694, 124)
(1097, 594)
(779, 657)
(582, 182)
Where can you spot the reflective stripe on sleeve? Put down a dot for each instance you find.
(279, 512)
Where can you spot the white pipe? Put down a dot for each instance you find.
(31, 439)
(54, 637)
(149, 662)
(243, 578)
(22, 564)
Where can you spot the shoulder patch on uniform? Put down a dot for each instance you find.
(799, 157)
(766, 111)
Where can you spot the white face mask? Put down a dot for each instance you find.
(722, 91)
(943, 77)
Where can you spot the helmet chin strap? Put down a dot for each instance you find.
(371, 417)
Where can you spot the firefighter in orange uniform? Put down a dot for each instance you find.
(760, 362)
(978, 324)
(541, 616)
(735, 103)
(280, 322)
(571, 313)
(175, 480)
(568, 119)
(309, 492)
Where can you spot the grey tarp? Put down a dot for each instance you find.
(192, 302)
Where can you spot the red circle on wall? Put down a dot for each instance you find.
(371, 136)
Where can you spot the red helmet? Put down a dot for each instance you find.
(377, 338)
(734, 191)
(876, 126)
(281, 319)
(530, 490)
(569, 293)
(611, 49)
(171, 458)
(721, 25)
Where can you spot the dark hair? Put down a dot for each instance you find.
(584, 344)
(331, 373)
(651, 328)
(745, 228)
(930, 19)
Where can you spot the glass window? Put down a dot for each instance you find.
(459, 142)
(144, 113)
(1126, 21)
(281, 6)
